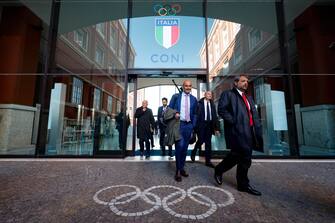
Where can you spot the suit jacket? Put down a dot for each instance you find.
(238, 134)
(175, 103)
(160, 118)
(201, 116)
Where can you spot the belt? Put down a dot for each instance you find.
(185, 121)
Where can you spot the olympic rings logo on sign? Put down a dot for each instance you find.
(166, 202)
(167, 10)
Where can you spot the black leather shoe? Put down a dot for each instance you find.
(218, 178)
(249, 190)
(211, 165)
(177, 177)
(183, 173)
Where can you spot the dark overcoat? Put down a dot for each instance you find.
(240, 138)
(145, 123)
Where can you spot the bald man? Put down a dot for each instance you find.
(145, 124)
(185, 105)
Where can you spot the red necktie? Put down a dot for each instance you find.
(251, 123)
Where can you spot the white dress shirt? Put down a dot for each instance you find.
(182, 106)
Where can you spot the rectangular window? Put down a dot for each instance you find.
(99, 56)
(118, 106)
(113, 37)
(225, 67)
(97, 99)
(77, 91)
(81, 38)
(254, 37)
(225, 38)
(217, 51)
(101, 28)
(109, 104)
(237, 55)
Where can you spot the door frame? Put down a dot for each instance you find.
(135, 74)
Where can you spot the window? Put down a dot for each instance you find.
(210, 59)
(254, 37)
(225, 67)
(217, 51)
(99, 56)
(101, 28)
(81, 38)
(77, 91)
(118, 106)
(225, 38)
(97, 99)
(237, 55)
(113, 37)
(109, 104)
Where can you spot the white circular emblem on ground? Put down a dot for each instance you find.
(166, 202)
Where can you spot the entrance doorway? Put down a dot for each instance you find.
(152, 86)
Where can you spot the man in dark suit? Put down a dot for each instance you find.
(119, 126)
(162, 126)
(207, 124)
(185, 105)
(145, 121)
(243, 133)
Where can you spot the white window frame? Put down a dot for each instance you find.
(109, 103)
(76, 38)
(225, 39)
(113, 40)
(225, 66)
(103, 34)
(97, 99)
(103, 55)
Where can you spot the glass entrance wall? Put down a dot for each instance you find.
(312, 55)
(23, 41)
(89, 79)
(67, 96)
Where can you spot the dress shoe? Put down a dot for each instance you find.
(183, 173)
(211, 165)
(218, 178)
(249, 190)
(177, 177)
(141, 153)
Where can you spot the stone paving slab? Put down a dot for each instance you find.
(66, 191)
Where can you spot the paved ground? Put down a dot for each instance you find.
(86, 191)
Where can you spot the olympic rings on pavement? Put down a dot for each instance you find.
(167, 10)
(165, 202)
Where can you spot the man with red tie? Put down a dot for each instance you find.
(243, 133)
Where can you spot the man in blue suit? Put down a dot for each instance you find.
(186, 106)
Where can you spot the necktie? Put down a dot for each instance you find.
(208, 118)
(187, 112)
(251, 123)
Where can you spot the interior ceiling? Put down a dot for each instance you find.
(76, 14)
